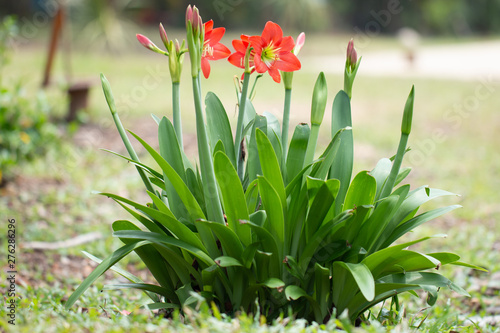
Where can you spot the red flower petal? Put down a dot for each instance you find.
(288, 62)
(215, 36)
(240, 46)
(275, 74)
(286, 44)
(260, 66)
(237, 59)
(271, 32)
(209, 25)
(220, 51)
(205, 67)
(257, 43)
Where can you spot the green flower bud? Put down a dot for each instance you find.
(320, 95)
(408, 113)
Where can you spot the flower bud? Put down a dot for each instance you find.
(320, 95)
(352, 55)
(197, 21)
(189, 16)
(408, 113)
(163, 35)
(177, 46)
(147, 43)
(300, 42)
(351, 68)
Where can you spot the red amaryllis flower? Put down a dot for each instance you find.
(273, 52)
(238, 57)
(212, 48)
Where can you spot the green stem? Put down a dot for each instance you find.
(214, 209)
(123, 134)
(131, 152)
(176, 107)
(286, 122)
(239, 125)
(398, 160)
(348, 83)
(311, 144)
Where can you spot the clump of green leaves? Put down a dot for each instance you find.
(298, 234)
(26, 131)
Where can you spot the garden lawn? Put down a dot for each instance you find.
(51, 199)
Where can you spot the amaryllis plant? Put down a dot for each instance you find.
(263, 223)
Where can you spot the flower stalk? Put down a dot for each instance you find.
(239, 126)
(286, 116)
(403, 141)
(110, 100)
(351, 68)
(287, 81)
(318, 106)
(214, 209)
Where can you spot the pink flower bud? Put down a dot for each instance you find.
(145, 41)
(189, 15)
(163, 35)
(177, 46)
(352, 55)
(300, 42)
(196, 21)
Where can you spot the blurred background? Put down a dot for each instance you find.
(460, 17)
(54, 119)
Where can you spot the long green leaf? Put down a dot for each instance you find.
(270, 165)
(141, 286)
(322, 288)
(101, 268)
(424, 279)
(380, 173)
(320, 170)
(235, 205)
(415, 222)
(218, 126)
(172, 224)
(147, 168)
(270, 245)
(375, 224)
(315, 241)
(320, 207)
(347, 279)
(297, 151)
(166, 240)
(253, 167)
(185, 194)
(361, 191)
(129, 276)
(273, 207)
(341, 168)
(151, 258)
(274, 134)
(295, 292)
(212, 200)
(377, 261)
(228, 238)
(359, 304)
(171, 152)
(252, 196)
(181, 188)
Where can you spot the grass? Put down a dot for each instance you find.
(52, 198)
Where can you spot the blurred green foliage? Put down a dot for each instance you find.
(456, 17)
(25, 130)
(96, 19)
